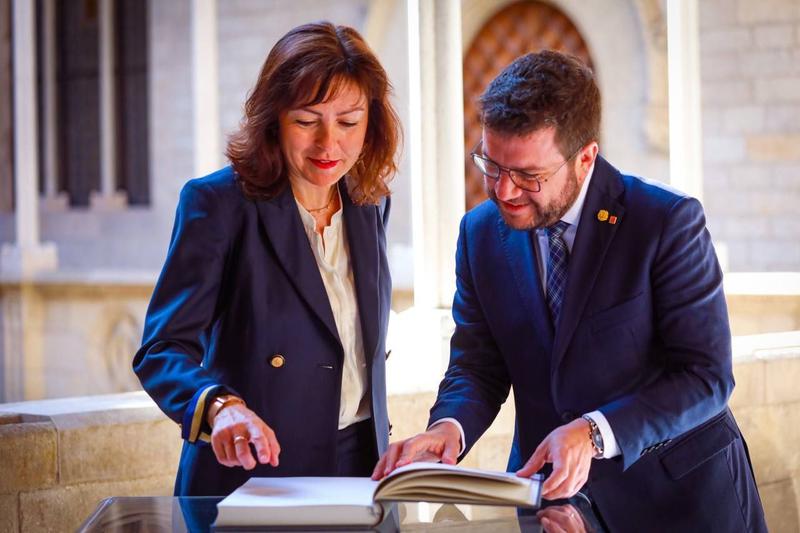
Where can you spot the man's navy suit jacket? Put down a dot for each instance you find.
(240, 285)
(643, 337)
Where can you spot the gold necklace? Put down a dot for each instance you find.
(326, 206)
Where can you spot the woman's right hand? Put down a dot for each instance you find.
(234, 428)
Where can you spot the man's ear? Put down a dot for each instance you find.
(585, 159)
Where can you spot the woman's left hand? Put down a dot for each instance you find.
(236, 427)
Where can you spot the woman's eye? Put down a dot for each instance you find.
(348, 124)
(304, 122)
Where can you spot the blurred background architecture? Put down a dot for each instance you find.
(107, 107)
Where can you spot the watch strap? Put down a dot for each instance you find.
(595, 437)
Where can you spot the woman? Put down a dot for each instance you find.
(266, 330)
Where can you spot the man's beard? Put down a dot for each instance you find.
(548, 215)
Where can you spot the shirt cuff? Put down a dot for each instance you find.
(610, 446)
(460, 430)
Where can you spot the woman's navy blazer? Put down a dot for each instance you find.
(240, 286)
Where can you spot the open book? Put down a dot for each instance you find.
(338, 501)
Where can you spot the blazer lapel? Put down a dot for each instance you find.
(589, 249)
(521, 257)
(362, 239)
(281, 221)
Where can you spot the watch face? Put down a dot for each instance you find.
(597, 440)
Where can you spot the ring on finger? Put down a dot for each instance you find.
(239, 438)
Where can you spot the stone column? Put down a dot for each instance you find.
(108, 197)
(435, 140)
(21, 261)
(26, 255)
(53, 200)
(6, 173)
(685, 134)
(205, 87)
(436, 143)
(379, 15)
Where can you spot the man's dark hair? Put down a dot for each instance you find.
(540, 90)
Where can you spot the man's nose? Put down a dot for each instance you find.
(504, 187)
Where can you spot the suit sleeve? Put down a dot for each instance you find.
(692, 340)
(476, 382)
(181, 311)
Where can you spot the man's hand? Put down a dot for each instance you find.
(570, 450)
(235, 427)
(440, 443)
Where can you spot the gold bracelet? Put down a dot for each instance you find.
(219, 403)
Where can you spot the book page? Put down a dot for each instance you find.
(300, 500)
(422, 468)
(449, 483)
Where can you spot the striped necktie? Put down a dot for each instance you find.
(557, 262)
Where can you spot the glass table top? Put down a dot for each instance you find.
(197, 514)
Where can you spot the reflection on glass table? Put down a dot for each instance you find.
(168, 514)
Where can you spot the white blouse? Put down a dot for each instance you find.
(331, 250)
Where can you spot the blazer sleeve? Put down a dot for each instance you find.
(693, 340)
(476, 382)
(181, 310)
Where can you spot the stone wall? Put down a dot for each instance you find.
(766, 403)
(763, 303)
(750, 69)
(62, 457)
(70, 335)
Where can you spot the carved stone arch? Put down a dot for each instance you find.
(514, 29)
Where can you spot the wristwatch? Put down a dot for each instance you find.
(595, 436)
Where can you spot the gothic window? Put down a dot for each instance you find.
(77, 142)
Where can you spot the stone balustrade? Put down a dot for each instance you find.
(61, 457)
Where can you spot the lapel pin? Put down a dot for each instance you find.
(602, 215)
(612, 219)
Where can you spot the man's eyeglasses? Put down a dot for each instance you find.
(523, 180)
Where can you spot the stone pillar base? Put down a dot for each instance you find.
(116, 201)
(22, 261)
(58, 202)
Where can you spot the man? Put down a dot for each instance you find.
(598, 297)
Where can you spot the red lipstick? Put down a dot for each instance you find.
(323, 163)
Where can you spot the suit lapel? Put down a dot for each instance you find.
(281, 221)
(589, 249)
(362, 238)
(521, 258)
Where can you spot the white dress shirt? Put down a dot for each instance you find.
(542, 249)
(331, 250)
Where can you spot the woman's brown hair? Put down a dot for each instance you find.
(306, 66)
